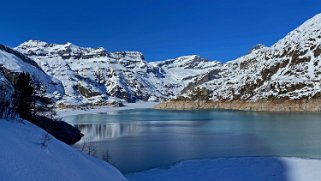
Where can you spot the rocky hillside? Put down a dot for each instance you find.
(288, 70)
(94, 75)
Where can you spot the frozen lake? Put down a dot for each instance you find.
(141, 139)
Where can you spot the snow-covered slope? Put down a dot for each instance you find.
(93, 74)
(290, 69)
(23, 157)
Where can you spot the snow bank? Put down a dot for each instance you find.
(23, 157)
(237, 169)
(103, 109)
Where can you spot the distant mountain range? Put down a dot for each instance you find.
(72, 75)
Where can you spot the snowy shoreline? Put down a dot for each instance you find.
(104, 109)
(236, 169)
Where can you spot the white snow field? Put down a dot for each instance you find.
(23, 158)
(236, 169)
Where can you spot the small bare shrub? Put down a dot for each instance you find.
(88, 148)
(45, 140)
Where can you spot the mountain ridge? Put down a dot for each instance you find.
(289, 70)
(124, 75)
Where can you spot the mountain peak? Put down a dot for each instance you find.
(66, 50)
(309, 31)
(33, 43)
(190, 59)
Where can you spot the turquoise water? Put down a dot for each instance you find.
(136, 140)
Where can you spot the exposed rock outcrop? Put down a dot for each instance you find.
(59, 129)
(312, 105)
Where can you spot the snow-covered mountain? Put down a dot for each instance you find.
(290, 69)
(94, 75)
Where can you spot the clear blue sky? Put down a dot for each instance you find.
(161, 29)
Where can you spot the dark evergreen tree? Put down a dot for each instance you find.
(23, 96)
(37, 92)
